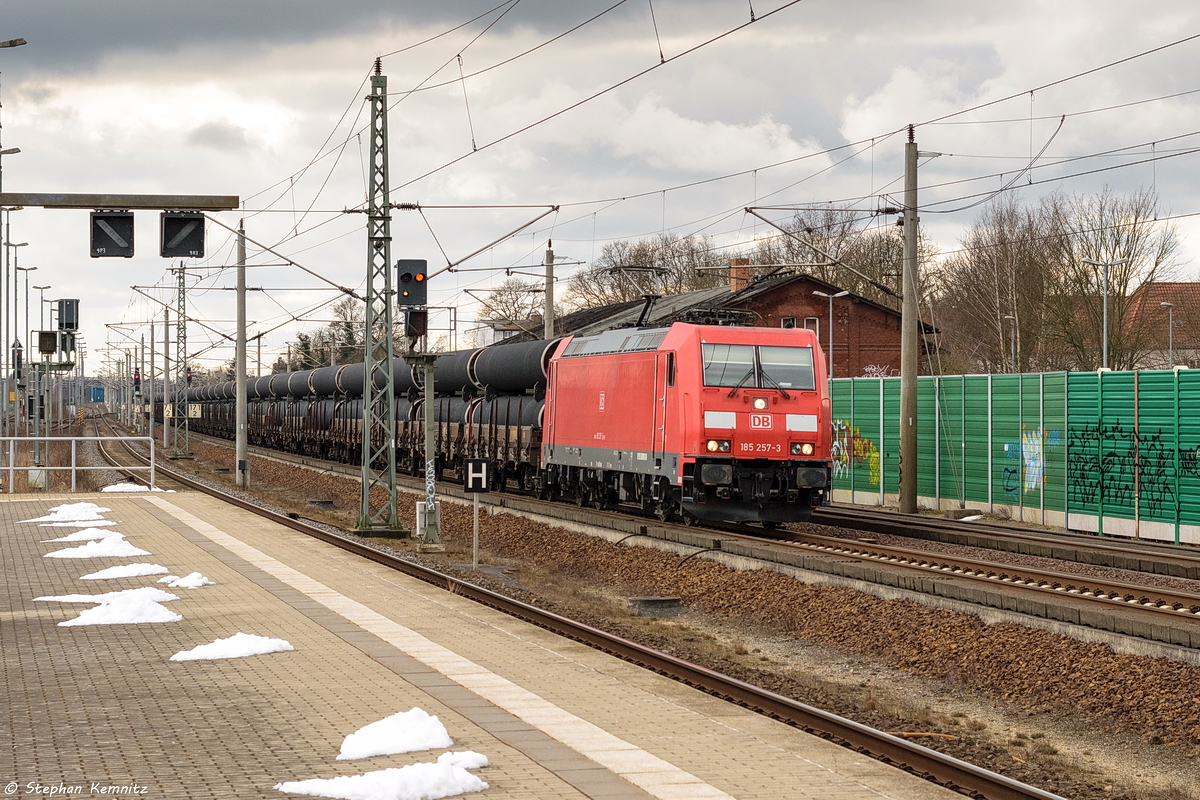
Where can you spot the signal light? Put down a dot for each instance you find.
(412, 281)
(189, 377)
(137, 379)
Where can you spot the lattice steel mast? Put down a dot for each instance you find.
(379, 409)
(179, 411)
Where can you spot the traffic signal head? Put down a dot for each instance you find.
(137, 379)
(189, 377)
(411, 281)
(68, 314)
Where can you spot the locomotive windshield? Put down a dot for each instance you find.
(758, 366)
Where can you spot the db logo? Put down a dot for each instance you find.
(760, 422)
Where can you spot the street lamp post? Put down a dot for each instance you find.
(9, 366)
(1170, 307)
(42, 307)
(1013, 341)
(1105, 265)
(26, 270)
(830, 337)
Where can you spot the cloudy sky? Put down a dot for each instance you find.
(264, 99)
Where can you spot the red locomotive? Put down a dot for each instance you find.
(689, 422)
(713, 423)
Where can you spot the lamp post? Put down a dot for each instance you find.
(10, 370)
(26, 270)
(830, 298)
(1170, 307)
(1013, 341)
(42, 307)
(1105, 265)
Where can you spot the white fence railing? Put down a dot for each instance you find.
(39, 474)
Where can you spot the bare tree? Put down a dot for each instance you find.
(1107, 228)
(671, 264)
(1021, 273)
(991, 294)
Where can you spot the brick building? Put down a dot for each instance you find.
(866, 334)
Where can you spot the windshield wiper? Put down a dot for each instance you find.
(767, 377)
(749, 374)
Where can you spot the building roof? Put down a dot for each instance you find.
(717, 305)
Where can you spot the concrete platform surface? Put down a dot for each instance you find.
(101, 709)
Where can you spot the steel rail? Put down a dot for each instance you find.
(923, 762)
(1140, 555)
(1126, 595)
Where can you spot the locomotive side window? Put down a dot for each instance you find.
(787, 367)
(728, 364)
(670, 369)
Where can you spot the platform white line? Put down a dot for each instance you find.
(645, 770)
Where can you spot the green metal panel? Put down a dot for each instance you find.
(1083, 443)
(1189, 447)
(951, 478)
(890, 450)
(978, 422)
(927, 455)
(1006, 440)
(1118, 444)
(856, 434)
(841, 393)
(1032, 442)
(1156, 450)
(1054, 450)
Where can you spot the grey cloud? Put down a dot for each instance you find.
(223, 136)
(73, 35)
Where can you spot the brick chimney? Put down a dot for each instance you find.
(739, 273)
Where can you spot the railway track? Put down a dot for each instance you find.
(1165, 615)
(937, 767)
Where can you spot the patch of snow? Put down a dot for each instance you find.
(971, 518)
(126, 611)
(130, 487)
(168, 578)
(86, 534)
(79, 523)
(405, 732)
(125, 571)
(72, 512)
(104, 548)
(193, 581)
(425, 781)
(145, 593)
(236, 646)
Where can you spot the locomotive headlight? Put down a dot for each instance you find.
(802, 449)
(717, 446)
(760, 403)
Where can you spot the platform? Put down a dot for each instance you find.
(96, 706)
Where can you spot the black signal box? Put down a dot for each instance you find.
(411, 283)
(112, 234)
(68, 314)
(182, 234)
(47, 342)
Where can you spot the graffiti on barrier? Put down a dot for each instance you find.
(850, 448)
(1030, 476)
(1116, 465)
